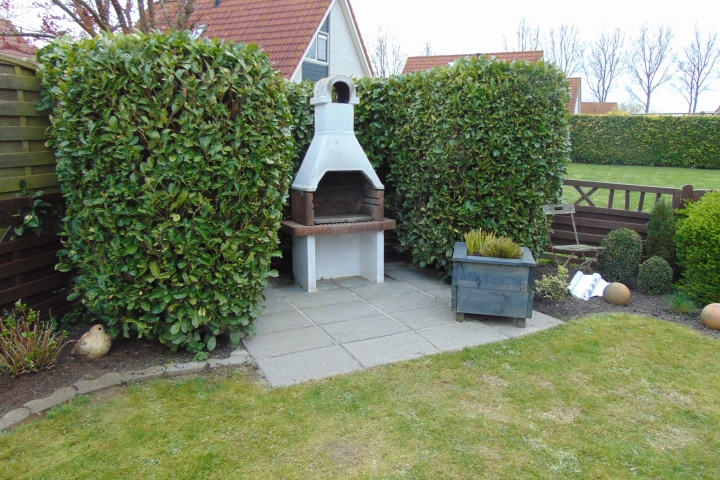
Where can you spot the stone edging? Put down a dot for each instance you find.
(82, 387)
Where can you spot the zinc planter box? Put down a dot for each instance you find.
(492, 286)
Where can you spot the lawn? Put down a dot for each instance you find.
(605, 397)
(653, 176)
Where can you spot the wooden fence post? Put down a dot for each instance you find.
(686, 195)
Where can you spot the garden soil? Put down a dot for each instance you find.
(136, 354)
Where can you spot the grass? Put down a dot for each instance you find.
(682, 304)
(653, 176)
(606, 397)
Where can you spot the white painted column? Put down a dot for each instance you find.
(304, 269)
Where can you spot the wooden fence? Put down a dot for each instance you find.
(27, 264)
(603, 207)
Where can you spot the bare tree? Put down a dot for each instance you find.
(564, 48)
(386, 55)
(427, 50)
(605, 63)
(649, 64)
(631, 106)
(528, 38)
(695, 67)
(94, 17)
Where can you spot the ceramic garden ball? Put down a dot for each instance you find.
(617, 294)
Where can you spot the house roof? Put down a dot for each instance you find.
(598, 108)
(575, 83)
(17, 47)
(414, 64)
(283, 28)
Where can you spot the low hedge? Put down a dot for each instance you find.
(175, 157)
(667, 141)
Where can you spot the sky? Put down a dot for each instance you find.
(467, 26)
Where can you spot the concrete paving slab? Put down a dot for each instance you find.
(185, 368)
(389, 288)
(406, 301)
(456, 336)
(340, 313)
(231, 361)
(364, 328)
(281, 280)
(508, 326)
(426, 317)
(419, 279)
(282, 321)
(276, 304)
(289, 341)
(326, 297)
(289, 290)
(390, 349)
(348, 282)
(443, 294)
(302, 366)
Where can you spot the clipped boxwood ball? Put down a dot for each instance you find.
(620, 259)
(710, 316)
(617, 294)
(655, 276)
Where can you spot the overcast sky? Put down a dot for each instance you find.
(467, 26)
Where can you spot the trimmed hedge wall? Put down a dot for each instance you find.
(667, 141)
(481, 144)
(175, 156)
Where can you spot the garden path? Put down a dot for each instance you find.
(352, 324)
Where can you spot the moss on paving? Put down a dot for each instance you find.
(609, 396)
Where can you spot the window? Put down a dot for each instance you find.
(198, 31)
(319, 50)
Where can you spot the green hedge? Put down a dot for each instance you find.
(174, 156)
(481, 144)
(667, 141)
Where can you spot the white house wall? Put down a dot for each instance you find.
(343, 54)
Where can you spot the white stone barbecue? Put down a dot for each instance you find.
(337, 199)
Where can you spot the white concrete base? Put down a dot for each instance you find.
(336, 256)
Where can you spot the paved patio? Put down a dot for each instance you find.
(352, 324)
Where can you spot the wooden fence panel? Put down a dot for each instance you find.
(603, 207)
(23, 154)
(27, 264)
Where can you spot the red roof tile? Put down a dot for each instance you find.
(413, 64)
(575, 83)
(598, 108)
(17, 47)
(283, 28)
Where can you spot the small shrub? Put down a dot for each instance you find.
(661, 233)
(26, 344)
(655, 276)
(698, 249)
(620, 260)
(553, 287)
(477, 239)
(502, 247)
(682, 304)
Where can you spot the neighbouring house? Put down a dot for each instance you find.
(305, 39)
(414, 64)
(598, 108)
(13, 46)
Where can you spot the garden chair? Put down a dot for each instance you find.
(587, 253)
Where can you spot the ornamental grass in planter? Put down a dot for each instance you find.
(492, 276)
